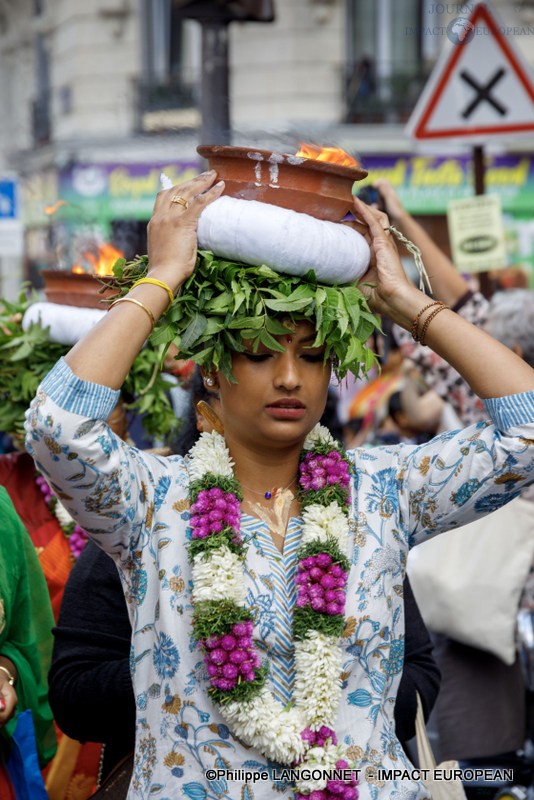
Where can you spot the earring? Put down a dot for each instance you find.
(208, 380)
(210, 416)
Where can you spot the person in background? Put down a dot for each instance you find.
(418, 412)
(25, 644)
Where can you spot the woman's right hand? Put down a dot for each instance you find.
(106, 354)
(389, 291)
(172, 230)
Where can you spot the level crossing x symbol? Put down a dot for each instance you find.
(483, 93)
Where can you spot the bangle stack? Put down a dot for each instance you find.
(162, 285)
(138, 303)
(420, 335)
(10, 677)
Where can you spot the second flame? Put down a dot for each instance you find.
(333, 155)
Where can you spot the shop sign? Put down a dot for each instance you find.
(476, 233)
(9, 198)
(426, 184)
(99, 193)
(11, 232)
(104, 192)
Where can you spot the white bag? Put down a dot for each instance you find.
(468, 582)
(439, 789)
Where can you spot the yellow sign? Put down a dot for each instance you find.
(476, 233)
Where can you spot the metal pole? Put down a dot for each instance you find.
(484, 280)
(215, 100)
(478, 167)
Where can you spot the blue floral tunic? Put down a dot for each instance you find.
(135, 506)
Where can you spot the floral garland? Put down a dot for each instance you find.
(299, 736)
(76, 536)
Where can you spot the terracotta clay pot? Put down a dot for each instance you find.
(318, 188)
(75, 289)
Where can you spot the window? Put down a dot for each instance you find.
(170, 67)
(385, 69)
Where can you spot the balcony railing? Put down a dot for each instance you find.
(374, 100)
(165, 96)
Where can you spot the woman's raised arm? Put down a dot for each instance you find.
(106, 354)
(490, 368)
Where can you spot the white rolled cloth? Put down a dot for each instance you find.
(67, 324)
(287, 241)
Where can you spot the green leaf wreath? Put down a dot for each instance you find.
(224, 303)
(26, 356)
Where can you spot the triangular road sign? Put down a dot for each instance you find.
(480, 87)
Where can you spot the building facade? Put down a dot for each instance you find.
(100, 96)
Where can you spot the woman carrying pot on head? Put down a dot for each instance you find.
(264, 573)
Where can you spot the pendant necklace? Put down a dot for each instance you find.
(270, 492)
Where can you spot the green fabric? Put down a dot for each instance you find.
(26, 622)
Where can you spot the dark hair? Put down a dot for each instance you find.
(184, 439)
(395, 406)
(330, 418)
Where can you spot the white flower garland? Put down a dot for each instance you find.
(219, 574)
(318, 663)
(219, 577)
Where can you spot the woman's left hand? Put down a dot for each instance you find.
(388, 286)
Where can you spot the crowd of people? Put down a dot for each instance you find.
(275, 532)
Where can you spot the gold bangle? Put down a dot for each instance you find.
(10, 677)
(137, 303)
(156, 283)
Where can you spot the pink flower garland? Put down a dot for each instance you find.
(213, 511)
(229, 654)
(232, 657)
(319, 471)
(321, 584)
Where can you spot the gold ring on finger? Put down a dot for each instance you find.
(177, 198)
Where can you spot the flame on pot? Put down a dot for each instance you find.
(100, 260)
(334, 155)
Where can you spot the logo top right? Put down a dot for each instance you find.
(460, 30)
